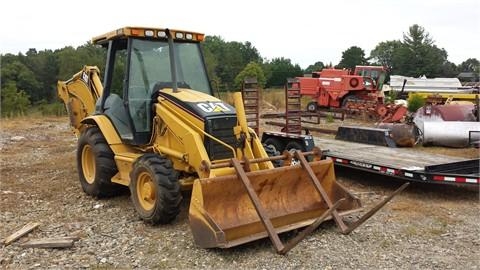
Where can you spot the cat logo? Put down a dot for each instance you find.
(213, 107)
(85, 77)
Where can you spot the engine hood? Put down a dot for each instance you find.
(197, 103)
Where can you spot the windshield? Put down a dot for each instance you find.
(150, 64)
(150, 68)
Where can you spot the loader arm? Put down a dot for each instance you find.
(79, 94)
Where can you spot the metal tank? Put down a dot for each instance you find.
(450, 133)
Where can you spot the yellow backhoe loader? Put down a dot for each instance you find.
(155, 127)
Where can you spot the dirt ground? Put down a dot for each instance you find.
(425, 227)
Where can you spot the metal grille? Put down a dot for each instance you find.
(222, 129)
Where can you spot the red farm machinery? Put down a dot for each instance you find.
(356, 92)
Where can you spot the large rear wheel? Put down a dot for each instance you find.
(154, 189)
(96, 165)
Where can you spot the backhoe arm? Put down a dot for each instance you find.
(80, 93)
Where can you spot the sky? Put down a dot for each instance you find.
(304, 31)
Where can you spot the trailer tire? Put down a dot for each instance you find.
(276, 143)
(96, 165)
(155, 190)
(272, 152)
(292, 147)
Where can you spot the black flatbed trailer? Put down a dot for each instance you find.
(403, 163)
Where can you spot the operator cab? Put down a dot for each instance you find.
(140, 62)
(374, 75)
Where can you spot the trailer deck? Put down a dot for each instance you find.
(404, 163)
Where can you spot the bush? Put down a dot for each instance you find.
(15, 102)
(391, 96)
(52, 109)
(329, 118)
(415, 102)
(252, 70)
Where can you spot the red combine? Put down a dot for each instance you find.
(340, 88)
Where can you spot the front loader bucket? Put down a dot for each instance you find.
(223, 214)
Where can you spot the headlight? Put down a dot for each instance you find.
(179, 35)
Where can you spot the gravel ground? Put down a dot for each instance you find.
(425, 227)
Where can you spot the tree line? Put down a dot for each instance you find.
(31, 78)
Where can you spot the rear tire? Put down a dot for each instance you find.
(155, 190)
(96, 165)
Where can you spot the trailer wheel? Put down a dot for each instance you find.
(292, 147)
(96, 165)
(276, 143)
(312, 106)
(272, 152)
(155, 190)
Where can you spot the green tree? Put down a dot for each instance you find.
(279, 69)
(469, 65)
(23, 78)
(352, 57)
(225, 60)
(69, 62)
(44, 65)
(14, 102)
(318, 66)
(383, 53)
(418, 55)
(414, 56)
(449, 70)
(253, 69)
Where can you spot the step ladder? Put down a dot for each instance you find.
(293, 110)
(251, 103)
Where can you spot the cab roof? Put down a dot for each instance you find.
(147, 32)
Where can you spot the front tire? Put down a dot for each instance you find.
(155, 190)
(96, 165)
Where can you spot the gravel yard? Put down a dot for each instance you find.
(425, 227)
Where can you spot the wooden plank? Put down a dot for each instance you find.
(64, 242)
(16, 235)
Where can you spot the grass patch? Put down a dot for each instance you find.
(411, 231)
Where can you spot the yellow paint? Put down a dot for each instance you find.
(445, 95)
(220, 207)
